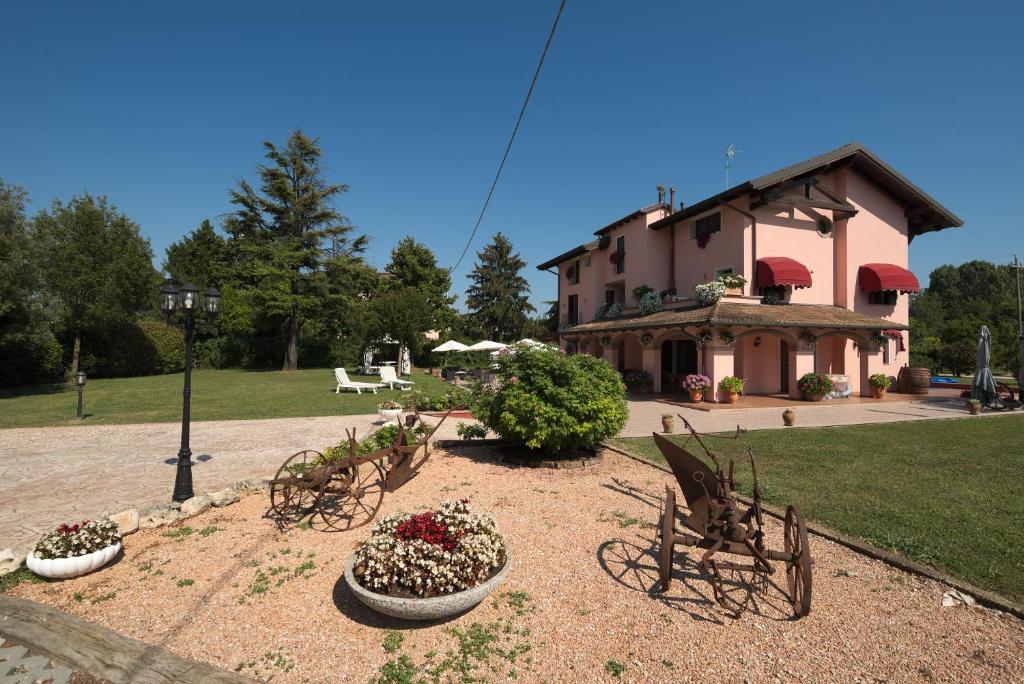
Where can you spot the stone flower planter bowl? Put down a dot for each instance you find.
(63, 568)
(434, 608)
(389, 414)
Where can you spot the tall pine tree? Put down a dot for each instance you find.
(498, 297)
(413, 265)
(281, 234)
(200, 257)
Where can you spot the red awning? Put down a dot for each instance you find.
(782, 271)
(878, 277)
(896, 335)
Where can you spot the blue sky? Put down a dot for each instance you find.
(163, 106)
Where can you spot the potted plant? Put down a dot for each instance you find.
(815, 386)
(974, 406)
(879, 384)
(789, 417)
(389, 409)
(668, 423)
(76, 549)
(696, 385)
(731, 387)
(706, 294)
(429, 565)
(637, 380)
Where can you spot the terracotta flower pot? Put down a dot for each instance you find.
(878, 392)
(975, 409)
(732, 397)
(696, 396)
(668, 423)
(789, 417)
(815, 397)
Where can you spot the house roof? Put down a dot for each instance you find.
(564, 256)
(629, 217)
(924, 213)
(736, 313)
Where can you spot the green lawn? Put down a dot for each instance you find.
(944, 492)
(216, 395)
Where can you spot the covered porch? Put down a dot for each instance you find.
(769, 346)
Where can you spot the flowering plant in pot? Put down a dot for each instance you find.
(732, 387)
(637, 380)
(733, 282)
(389, 409)
(75, 549)
(429, 565)
(706, 294)
(815, 386)
(696, 384)
(879, 384)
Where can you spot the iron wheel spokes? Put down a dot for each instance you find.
(798, 571)
(289, 498)
(354, 502)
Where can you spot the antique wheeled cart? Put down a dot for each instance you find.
(723, 527)
(346, 492)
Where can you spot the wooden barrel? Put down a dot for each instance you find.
(915, 380)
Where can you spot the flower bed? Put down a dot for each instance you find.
(429, 554)
(77, 539)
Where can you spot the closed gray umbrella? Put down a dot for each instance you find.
(983, 388)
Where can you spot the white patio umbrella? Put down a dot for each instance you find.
(451, 346)
(485, 345)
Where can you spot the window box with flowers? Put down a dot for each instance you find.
(429, 565)
(706, 294)
(815, 386)
(732, 388)
(733, 282)
(697, 384)
(76, 549)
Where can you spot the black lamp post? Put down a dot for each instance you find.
(80, 381)
(187, 300)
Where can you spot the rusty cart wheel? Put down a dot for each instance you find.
(288, 497)
(798, 571)
(352, 496)
(667, 538)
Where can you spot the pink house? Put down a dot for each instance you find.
(823, 246)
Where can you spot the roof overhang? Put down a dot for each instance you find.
(924, 214)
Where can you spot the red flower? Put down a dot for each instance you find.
(423, 526)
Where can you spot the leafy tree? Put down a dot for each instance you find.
(28, 348)
(98, 270)
(958, 300)
(280, 235)
(402, 314)
(200, 257)
(413, 264)
(498, 296)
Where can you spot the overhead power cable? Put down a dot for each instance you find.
(508, 147)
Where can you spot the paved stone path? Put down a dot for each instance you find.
(645, 415)
(50, 475)
(54, 474)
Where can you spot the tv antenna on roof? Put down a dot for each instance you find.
(730, 154)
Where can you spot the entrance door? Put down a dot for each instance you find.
(784, 367)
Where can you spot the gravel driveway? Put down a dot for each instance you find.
(580, 604)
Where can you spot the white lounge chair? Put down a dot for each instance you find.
(344, 383)
(391, 379)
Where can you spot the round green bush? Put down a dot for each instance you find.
(552, 403)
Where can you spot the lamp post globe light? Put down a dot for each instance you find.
(80, 381)
(187, 300)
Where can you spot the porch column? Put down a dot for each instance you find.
(868, 359)
(718, 363)
(611, 354)
(801, 361)
(651, 357)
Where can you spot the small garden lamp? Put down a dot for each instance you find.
(80, 381)
(212, 302)
(188, 298)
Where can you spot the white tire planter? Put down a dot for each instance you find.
(389, 414)
(434, 608)
(63, 568)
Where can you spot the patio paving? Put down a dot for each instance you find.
(50, 475)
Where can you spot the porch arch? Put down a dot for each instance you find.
(766, 359)
(832, 354)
